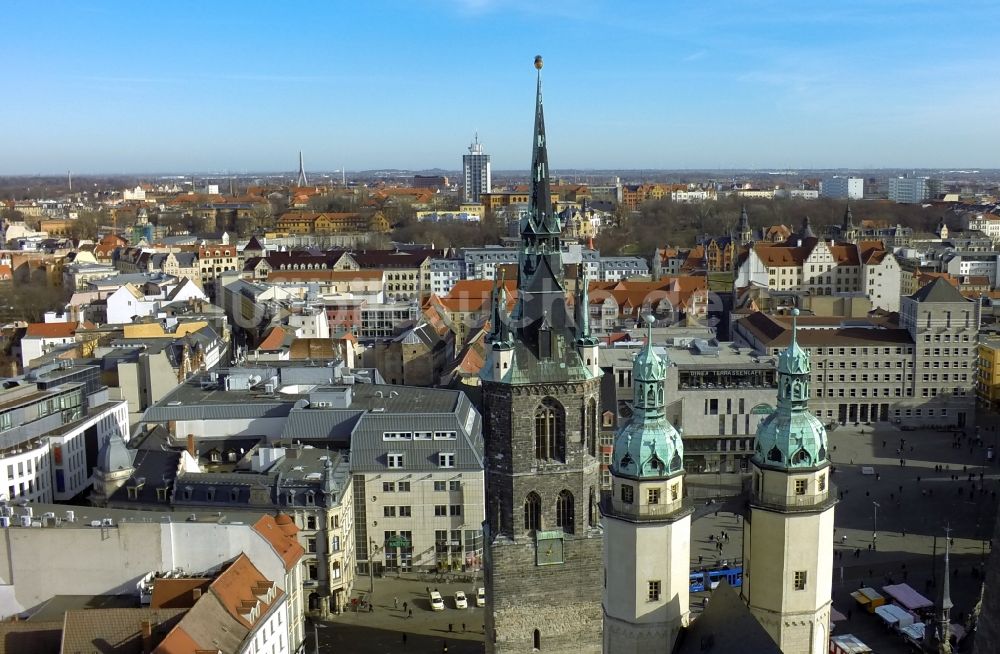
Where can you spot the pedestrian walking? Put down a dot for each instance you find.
(404, 639)
(463, 627)
(395, 602)
(843, 539)
(409, 614)
(404, 607)
(869, 547)
(371, 608)
(450, 628)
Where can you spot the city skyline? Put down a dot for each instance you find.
(113, 88)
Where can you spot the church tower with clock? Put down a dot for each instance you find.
(541, 397)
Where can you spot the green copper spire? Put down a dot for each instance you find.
(648, 446)
(792, 437)
(582, 308)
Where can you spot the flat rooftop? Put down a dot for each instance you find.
(85, 515)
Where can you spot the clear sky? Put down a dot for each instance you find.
(211, 85)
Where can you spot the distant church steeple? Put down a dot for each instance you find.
(744, 230)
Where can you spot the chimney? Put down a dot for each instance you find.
(190, 446)
(196, 594)
(146, 631)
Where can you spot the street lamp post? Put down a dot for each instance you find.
(875, 524)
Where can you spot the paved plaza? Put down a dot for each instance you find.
(916, 500)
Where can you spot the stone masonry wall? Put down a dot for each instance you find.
(561, 601)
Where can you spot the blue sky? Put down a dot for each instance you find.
(212, 86)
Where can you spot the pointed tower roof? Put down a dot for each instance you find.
(744, 224)
(848, 218)
(541, 328)
(792, 437)
(114, 455)
(794, 360)
(254, 245)
(648, 446)
(581, 309)
(807, 231)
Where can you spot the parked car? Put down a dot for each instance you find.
(437, 602)
(481, 597)
(460, 601)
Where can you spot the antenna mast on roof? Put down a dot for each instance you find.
(302, 181)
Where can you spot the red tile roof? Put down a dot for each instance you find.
(51, 329)
(274, 340)
(282, 538)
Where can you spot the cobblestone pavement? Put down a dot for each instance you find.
(910, 529)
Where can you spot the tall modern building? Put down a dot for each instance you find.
(541, 386)
(843, 188)
(788, 531)
(647, 524)
(476, 172)
(909, 190)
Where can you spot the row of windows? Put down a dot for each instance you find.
(419, 435)
(652, 494)
(445, 460)
(937, 338)
(864, 364)
(864, 392)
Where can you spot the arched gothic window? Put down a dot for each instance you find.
(532, 512)
(550, 431)
(564, 511)
(591, 428)
(800, 457)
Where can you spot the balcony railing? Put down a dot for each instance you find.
(636, 511)
(801, 502)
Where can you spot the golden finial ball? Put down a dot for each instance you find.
(538, 62)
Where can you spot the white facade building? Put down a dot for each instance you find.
(476, 172)
(908, 190)
(52, 421)
(843, 188)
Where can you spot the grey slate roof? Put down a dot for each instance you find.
(335, 425)
(726, 626)
(369, 450)
(939, 291)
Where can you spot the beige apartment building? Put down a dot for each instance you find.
(919, 370)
